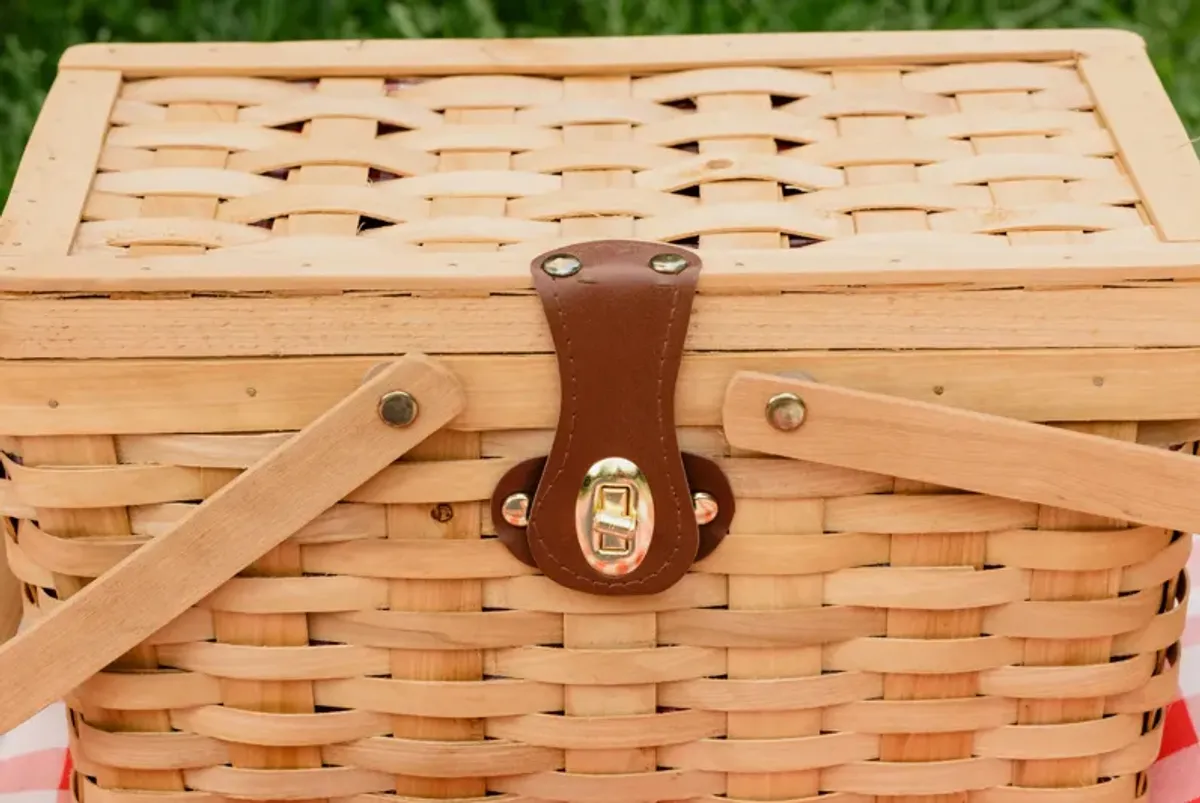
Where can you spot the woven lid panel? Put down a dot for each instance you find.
(968, 154)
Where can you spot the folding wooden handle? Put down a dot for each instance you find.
(968, 450)
(260, 509)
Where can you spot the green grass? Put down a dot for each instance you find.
(35, 32)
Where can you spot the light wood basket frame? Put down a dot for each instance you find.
(823, 652)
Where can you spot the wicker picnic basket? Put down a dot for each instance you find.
(741, 418)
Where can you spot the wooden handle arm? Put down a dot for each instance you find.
(968, 450)
(257, 511)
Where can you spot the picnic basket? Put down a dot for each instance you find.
(777, 417)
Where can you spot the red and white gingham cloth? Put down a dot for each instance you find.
(35, 767)
(1176, 776)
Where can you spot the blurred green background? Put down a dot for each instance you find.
(35, 32)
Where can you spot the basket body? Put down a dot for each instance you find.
(207, 247)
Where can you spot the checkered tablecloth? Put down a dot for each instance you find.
(1176, 776)
(35, 767)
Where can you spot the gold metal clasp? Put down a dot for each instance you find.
(614, 516)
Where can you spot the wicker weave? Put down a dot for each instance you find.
(855, 635)
(941, 146)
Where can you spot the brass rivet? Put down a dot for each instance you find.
(397, 408)
(561, 265)
(785, 411)
(516, 510)
(668, 263)
(706, 507)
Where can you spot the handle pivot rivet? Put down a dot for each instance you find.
(786, 412)
(397, 408)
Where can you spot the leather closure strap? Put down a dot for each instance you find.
(613, 508)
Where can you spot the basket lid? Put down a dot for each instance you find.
(792, 162)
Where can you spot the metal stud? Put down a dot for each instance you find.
(668, 263)
(516, 510)
(397, 408)
(705, 506)
(786, 412)
(561, 265)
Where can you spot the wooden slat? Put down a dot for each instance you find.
(429, 594)
(198, 209)
(775, 592)
(962, 449)
(240, 327)
(912, 549)
(618, 631)
(302, 265)
(283, 630)
(463, 520)
(448, 481)
(46, 202)
(724, 143)
(1153, 144)
(107, 522)
(1044, 191)
(794, 596)
(198, 396)
(118, 611)
(763, 592)
(1168, 433)
(597, 55)
(1070, 585)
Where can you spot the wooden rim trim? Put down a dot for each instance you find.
(1153, 145)
(55, 175)
(833, 264)
(575, 57)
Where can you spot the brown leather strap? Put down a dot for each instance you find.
(619, 327)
